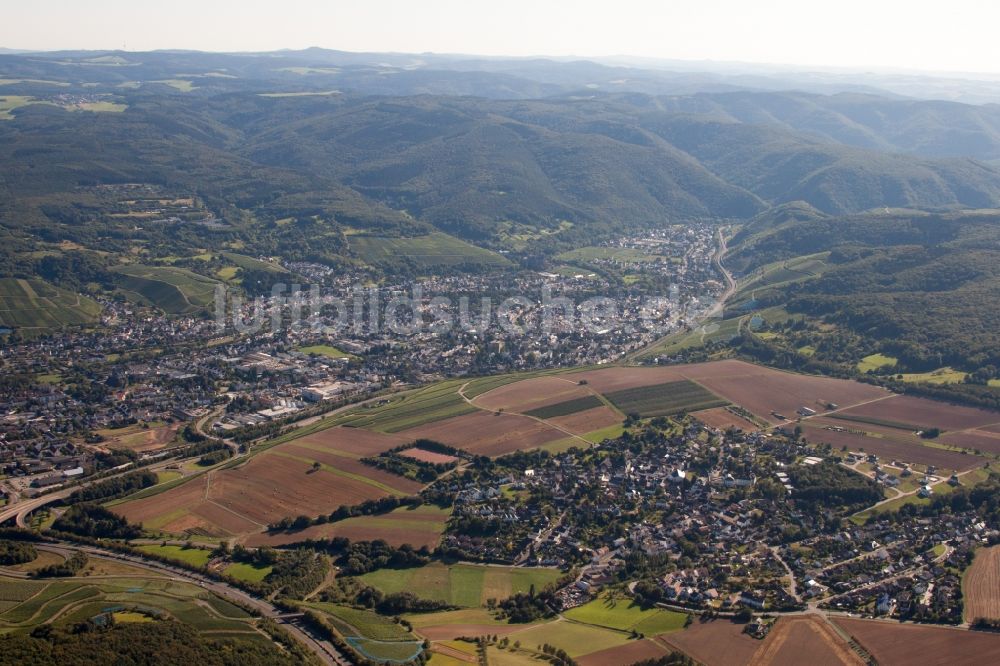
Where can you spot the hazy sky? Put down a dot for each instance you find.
(901, 34)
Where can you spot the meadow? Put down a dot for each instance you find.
(173, 290)
(626, 615)
(466, 585)
(434, 250)
(37, 304)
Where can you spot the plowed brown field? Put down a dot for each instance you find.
(895, 644)
(488, 434)
(981, 586)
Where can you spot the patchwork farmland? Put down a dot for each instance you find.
(793, 637)
(318, 471)
(888, 444)
(280, 482)
(34, 304)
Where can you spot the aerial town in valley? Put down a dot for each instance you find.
(701, 498)
(143, 367)
(322, 357)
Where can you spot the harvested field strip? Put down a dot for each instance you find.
(903, 448)
(717, 641)
(974, 440)
(424, 455)
(629, 653)
(981, 586)
(588, 421)
(566, 408)
(665, 399)
(316, 446)
(722, 418)
(891, 643)
(922, 413)
(873, 420)
(532, 393)
(489, 434)
(793, 638)
(576, 639)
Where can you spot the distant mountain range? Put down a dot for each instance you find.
(466, 144)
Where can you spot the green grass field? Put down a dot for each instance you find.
(626, 615)
(247, 572)
(463, 616)
(422, 252)
(173, 290)
(664, 399)
(466, 585)
(365, 623)
(403, 524)
(942, 488)
(412, 409)
(37, 304)
(939, 376)
(197, 557)
(566, 408)
(387, 651)
(576, 639)
(620, 254)
(324, 350)
(875, 362)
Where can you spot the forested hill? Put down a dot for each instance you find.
(461, 164)
(919, 290)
